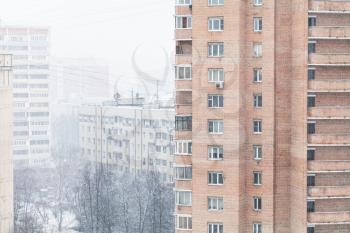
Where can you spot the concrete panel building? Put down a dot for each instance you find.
(262, 116)
(128, 136)
(6, 170)
(31, 128)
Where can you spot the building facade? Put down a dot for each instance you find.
(130, 137)
(262, 116)
(6, 170)
(31, 128)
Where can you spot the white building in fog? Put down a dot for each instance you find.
(129, 137)
(30, 47)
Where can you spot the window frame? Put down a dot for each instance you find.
(188, 222)
(217, 124)
(259, 126)
(183, 4)
(257, 24)
(184, 67)
(211, 75)
(257, 203)
(184, 144)
(185, 172)
(257, 227)
(257, 178)
(257, 150)
(215, 99)
(219, 177)
(257, 49)
(212, 23)
(257, 2)
(218, 203)
(177, 197)
(218, 149)
(219, 227)
(220, 50)
(188, 22)
(257, 75)
(210, 3)
(257, 100)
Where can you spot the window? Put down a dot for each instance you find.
(310, 229)
(215, 178)
(183, 123)
(311, 101)
(311, 74)
(312, 47)
(257, 75)
(312, 21)
(257, 49)
(183, 2)
(215, 152)
(183, 22)
(257, 203)
(215, 2)
(183, 72)
(183, 147)
(311, 178)
(216, 49)
(257, 100)
(310, 154)
(215, 101)
(215, 203)
(183, 173)
(184, 222)
(310, 206)
(215, 126)
(257, 2)
(215, 75)
(311, 127)
(216, 24)
(215, 228)
(257, 228)
(257, 124)
(257, 178)
(257, 152)
(184, 198)
(257, 24)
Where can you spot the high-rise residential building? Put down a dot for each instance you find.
(262, 116)
(129, 136)
(31, 127)
(6, 171)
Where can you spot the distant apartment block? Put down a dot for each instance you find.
(128, 137)
(6, 170)
(31, 115)
(262, 116)
(78, 79)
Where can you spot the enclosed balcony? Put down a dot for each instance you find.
(184, 102)
(329, 112)
(329, 6)
(328, 191)
(329, 85)
(329, 165)
(329, 59)
(329, 32)
(329, 217)
(183, 51)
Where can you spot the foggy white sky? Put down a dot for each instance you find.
(105, 29)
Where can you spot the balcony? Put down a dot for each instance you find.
(335, 139)
(330, 85)
(183, 34)
(183, 84)
(328, 191)
(332, 32)
(329, 165)
(329, 6)
(183, 52)
(329, 112)
(329, 59)
(329, 217)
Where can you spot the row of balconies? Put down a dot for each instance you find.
(329, 6)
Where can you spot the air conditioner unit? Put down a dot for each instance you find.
(219, 85)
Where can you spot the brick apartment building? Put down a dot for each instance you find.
(6, 174)
(262, 116)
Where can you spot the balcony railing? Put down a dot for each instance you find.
(335, 139)
(330, 112)
(325, 85)
(336, 6)
(338, 59)
(328, 165)
(329, 32)
(329, 217)
(328, 191)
